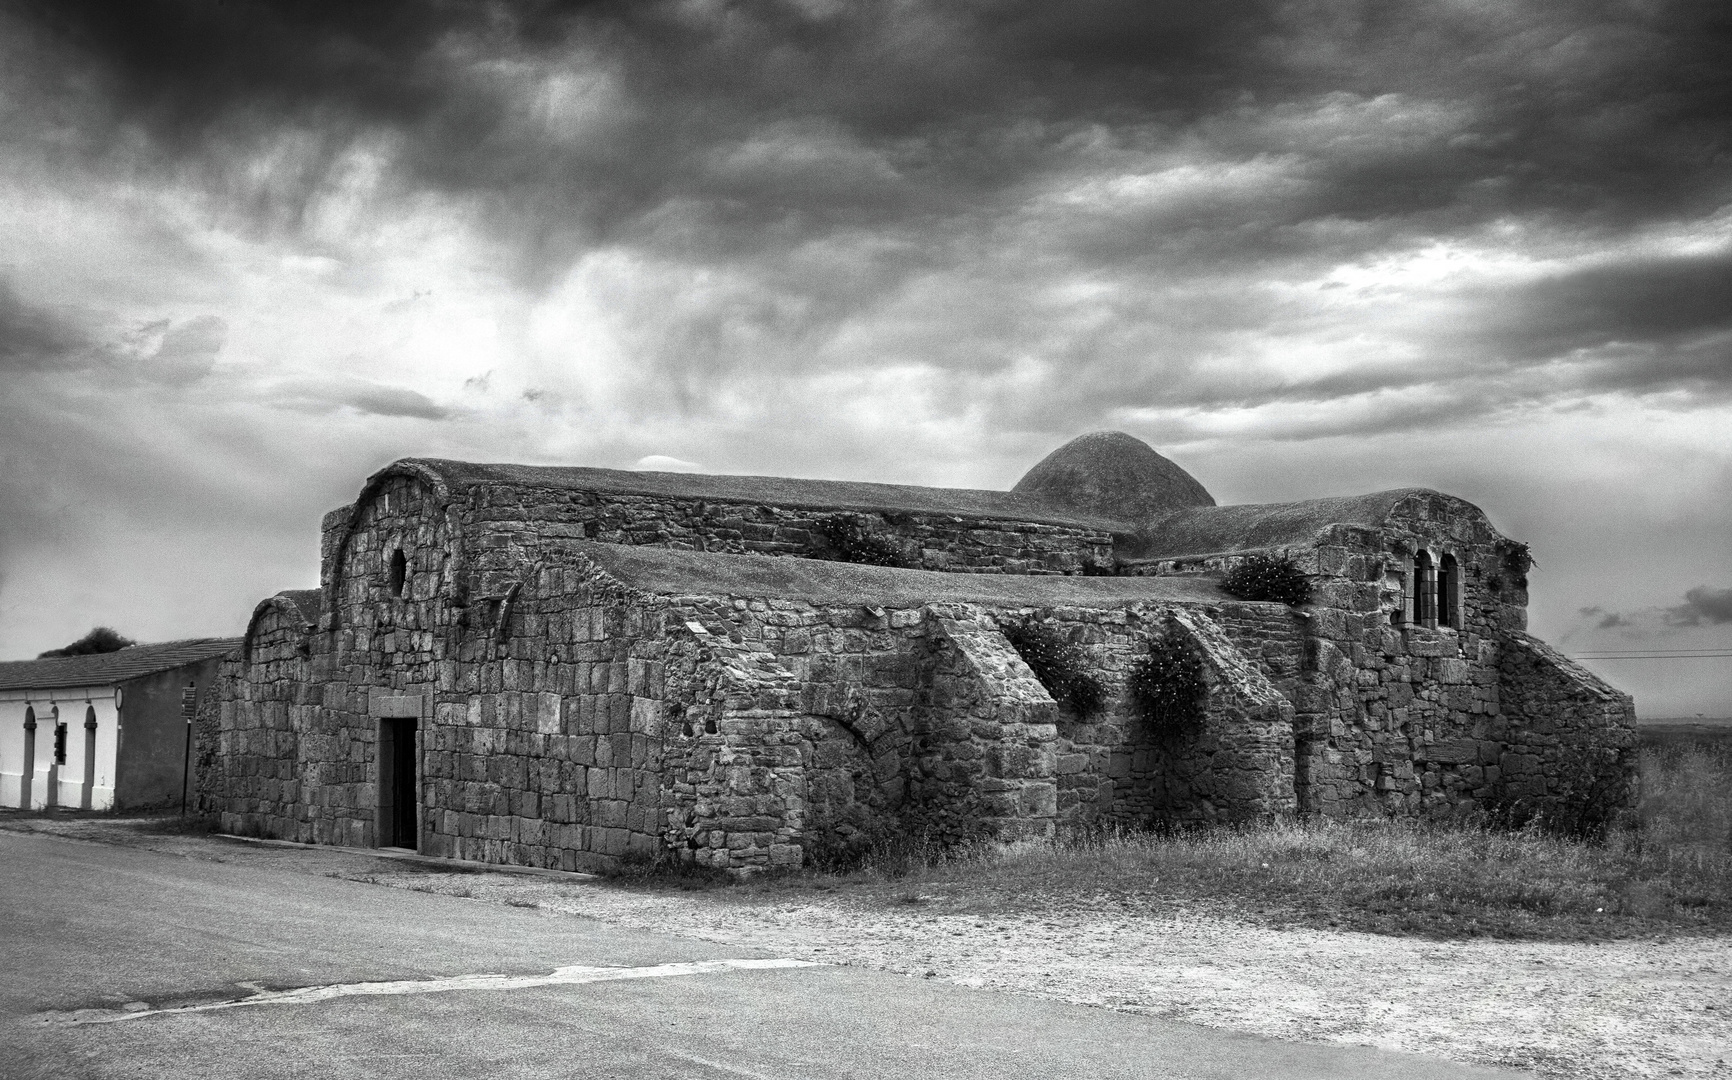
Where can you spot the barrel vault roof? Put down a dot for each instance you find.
(769, 490)
(670, 572)
(1210, 530)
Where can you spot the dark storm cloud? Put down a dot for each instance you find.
(825, 161)
(1657, 300)
(33, 337)
(1702, 605)
(1568, 105)
(1603, 619)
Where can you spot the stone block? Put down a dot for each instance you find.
(1038, 800)
(609, 813)
(548, 714)
(1453, 752)
(645, 717)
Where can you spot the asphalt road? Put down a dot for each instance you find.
(112, 958)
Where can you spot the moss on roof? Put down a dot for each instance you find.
(670, 572)
(1211, 530)
(846, 495)
(107, 669)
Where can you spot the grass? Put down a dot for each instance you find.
(190, 825)
(1668, 871)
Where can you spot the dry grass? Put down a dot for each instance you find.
(1670, 871)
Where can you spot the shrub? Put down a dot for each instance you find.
(99, 640)
(1268, 577)
(1687, 795)
(1593, 792)
(1167, 688)
(1589, 794)
(1061, 666)
(850, 540)
(1518, 560)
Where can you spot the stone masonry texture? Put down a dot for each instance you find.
(729, 698)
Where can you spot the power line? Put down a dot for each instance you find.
(1693, 654)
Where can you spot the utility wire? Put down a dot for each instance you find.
(1694, 654)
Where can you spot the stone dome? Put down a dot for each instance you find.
(1113, 475)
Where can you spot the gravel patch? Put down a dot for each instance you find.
(1598, 1010)
(1606, 1011)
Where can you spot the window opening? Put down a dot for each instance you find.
(399, 571)
(1448, 590)
(1424, 590)
(60, 743)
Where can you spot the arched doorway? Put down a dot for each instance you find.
(56, 759)
(27, 772)
(89, 784)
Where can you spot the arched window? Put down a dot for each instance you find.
(399, 571)
(1449, 592)
(1424, 590)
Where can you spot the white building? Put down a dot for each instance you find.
(102, 732)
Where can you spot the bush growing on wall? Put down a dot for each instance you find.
(1518, 560)
(851, 541)
(1167, 688)
(1061, 667)
(1268, 577)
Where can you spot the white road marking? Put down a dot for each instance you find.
(576, 975)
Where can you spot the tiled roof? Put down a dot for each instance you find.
(106, 669)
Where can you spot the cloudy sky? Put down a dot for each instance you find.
(251, 251)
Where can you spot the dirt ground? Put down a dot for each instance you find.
(1606, 1011)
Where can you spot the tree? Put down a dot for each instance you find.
(100, 640)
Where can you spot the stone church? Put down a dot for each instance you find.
(563, 667)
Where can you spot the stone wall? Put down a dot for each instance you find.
(546, 742)
(925, 692)
(567, 720)
(1385, 708)
(984, 733)
(1236, 767)
(849, 725)
(1383, 704)
(250, 726)
(1240, 766)
(738, 754)
(1575, 741)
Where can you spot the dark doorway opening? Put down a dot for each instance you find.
(24, 787)
(89, 786)
(398, 803)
